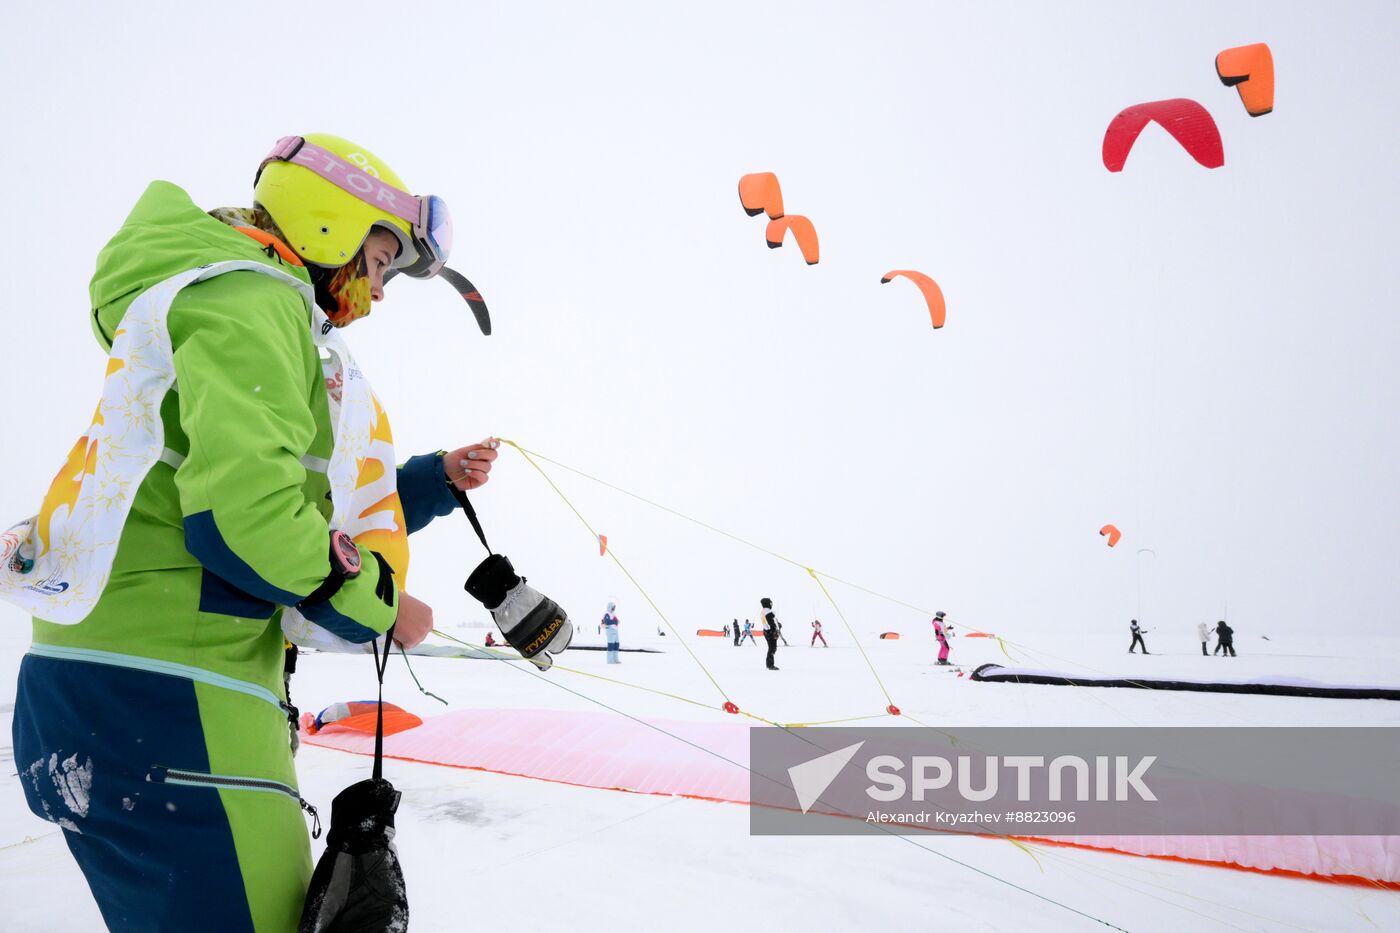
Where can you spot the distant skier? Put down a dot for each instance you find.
(1137, 638)
(609, 626)
(817, 633)
(1227, 639)
(748, 633)
(770, 631)
(1204, 633)
(942, 637)
(737, 633)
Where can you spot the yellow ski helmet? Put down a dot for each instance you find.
(323, 222)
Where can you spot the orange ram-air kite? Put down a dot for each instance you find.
(933, 295)
(1112, 532)
(1249, 69)
(802, 231)
(760, 193)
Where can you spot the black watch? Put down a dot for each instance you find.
(345, 565)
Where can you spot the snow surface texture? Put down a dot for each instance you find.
(693, 863)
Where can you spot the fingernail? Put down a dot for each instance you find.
(465, 463)
(471, 455)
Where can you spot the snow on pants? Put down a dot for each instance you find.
(613, 646)
(118, 758)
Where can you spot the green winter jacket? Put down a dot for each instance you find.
(227, 529)
(233, 525)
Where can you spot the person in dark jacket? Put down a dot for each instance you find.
(770, 631)
(1137, 638)
(1227, 639)
(738, 633)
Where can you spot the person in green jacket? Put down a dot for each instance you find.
(154, 731)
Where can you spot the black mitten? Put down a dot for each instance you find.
(358, 885)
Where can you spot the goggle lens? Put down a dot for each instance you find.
(439, 228)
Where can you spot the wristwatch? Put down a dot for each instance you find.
(345, 565)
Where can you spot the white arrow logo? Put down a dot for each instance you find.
(811, 778)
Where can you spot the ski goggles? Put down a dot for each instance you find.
(428, 217)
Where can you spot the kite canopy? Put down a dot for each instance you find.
(1188, 122)
(1267, 686)
(933, 295)
(1249, 69)
(802, 231)
(358, 716)
(1112, 533)
(607, 751)
(760, 193)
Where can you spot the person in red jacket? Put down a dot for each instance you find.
(817, 633)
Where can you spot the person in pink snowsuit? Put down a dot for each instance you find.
(942, 638)
(817, 633)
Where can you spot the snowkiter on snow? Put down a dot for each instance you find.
(1227, 639)
(770, 632)
(817, 633)
(610, 622)
(1137, 638)
(737, 633)
(270, 483)
(748, 632)
(1203, 632)
(942, 637)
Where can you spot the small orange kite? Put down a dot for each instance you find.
(802, 231)
(759, 193)
(933, 295)
(1249, 69)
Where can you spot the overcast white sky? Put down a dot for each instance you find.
(1205, 358)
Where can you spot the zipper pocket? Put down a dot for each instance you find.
(160, 774)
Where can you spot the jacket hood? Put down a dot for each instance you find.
(165, 234)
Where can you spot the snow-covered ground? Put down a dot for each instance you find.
(621, 860)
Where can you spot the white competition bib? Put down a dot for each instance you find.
(56, 564)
